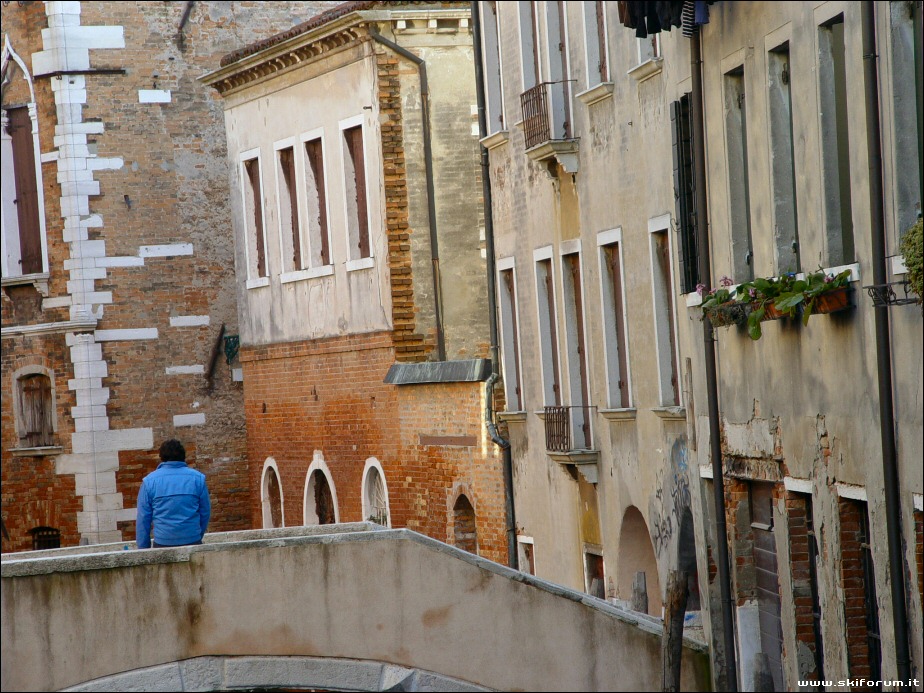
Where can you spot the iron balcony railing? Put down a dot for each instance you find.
(568, 429)
(534, 103)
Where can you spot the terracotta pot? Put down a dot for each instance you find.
(771, 313)
(832, 301)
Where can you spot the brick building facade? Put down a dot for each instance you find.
(360, 273)
(116, 291)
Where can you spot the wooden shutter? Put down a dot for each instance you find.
(574, 266)
(253, 175)
(27, 211)
(603, 65)
(685, 210)
(35, 394)
(354, 137)
(612, 257)
(507, 276)
(287, 162)
(553, 328)
(664, 260)
(315, 153)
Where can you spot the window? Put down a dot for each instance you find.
(861, 607)
(595, 43)
(736, 149)
(355, 192)
(375, 494)
(45, 538)
(35, 409)
(510, 338)
(252, 185)
(548, 333)
(559, 69)
(573, 289)
(529, 44)
(271, 496)
(649, 48)
(593, 572)
(465, 533)
(320, 503)
(614, 319)
(665, 332)
(493, 70)
(316, 198)
(526, 554)
(835, 142)
(682, 140)
(24, 246)
(804, 557)
(782, 161)
(290, 233)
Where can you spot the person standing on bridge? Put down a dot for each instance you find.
(176, 498)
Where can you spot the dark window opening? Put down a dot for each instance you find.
(45, 538)
(682, 138)
(464, 529)
(255, 214)
(317, 204)
(356, 194)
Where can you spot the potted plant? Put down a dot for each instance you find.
(721, 306)
(912, 248)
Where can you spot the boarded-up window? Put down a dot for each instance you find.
(253, 202)
(26, 200)
(316, 192)
(357, 211)
(36, 407)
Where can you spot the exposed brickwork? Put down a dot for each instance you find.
(853, 584)
(464, 532)
(410, 345)
(741, 539)
(329, 396)
(919, 551)
(800, 566)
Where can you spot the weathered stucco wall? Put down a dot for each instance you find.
(425, 605)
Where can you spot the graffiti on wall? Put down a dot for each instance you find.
(672, 498)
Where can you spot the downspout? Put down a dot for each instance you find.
(884, 346)
(500, 441)
(712, 384)
(428, 168)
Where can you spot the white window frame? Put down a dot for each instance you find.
(320, 466)
(648, 52)
(18, 414)
(495, 105)
(611, 345)
(9, 262)
(592, 45)
(561, 110)
(278, 146)
(373, 463)
(566, 248)
(523, 539)
(527, 49)
(312, 270)
(663, 224)
(545, 360)
(509, 371)
(267, 511)
(354, 263)
(593, 550)
(253, 282)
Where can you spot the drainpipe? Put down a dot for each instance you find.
(712, 384)
(503, 443)
(428, 167)
(884, 346)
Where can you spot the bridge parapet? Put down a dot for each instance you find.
(354, 593)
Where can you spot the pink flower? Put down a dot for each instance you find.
(700, 288)
(829, 279)
(726, 281)
(752, 293)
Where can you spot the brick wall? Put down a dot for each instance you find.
(919, 551)
(329, 396)
(741, 540)
(854, 586)
(797, 510)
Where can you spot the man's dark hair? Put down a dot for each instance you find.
(172, 451)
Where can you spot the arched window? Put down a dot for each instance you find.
(25, 251)
(34, 400)
(271, 496)
(45, 538)
(320, 501)
(464, 531)
(375, 494)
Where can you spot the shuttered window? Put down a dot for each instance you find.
(36, 409)
(26, 200)
(319, 240)
(254, 203)
(682, 139)
(356, 194)
(288, 209)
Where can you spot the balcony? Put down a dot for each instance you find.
(544, 111)
(569, 439)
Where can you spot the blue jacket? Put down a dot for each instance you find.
(177, 500)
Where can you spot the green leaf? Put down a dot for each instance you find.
(789, 302)
(762, 285)
(807, 312)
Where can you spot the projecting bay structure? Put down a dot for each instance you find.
(353, 150)
(600, 219)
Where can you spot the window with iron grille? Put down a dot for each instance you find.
(36, 410)
(682, 139)
(45, 538)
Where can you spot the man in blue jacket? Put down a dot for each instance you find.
(177, 500)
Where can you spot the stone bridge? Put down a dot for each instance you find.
(339, 607)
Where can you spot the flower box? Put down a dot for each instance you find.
(729, 313)
(833, 301)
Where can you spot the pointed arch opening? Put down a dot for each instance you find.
(465, 533)
(636, 555)
(271, 496)
(320, 502)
